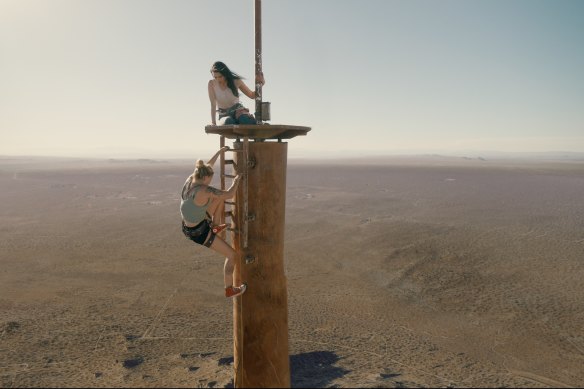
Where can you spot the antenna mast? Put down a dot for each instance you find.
(258, 60)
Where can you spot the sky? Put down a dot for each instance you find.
(128, 78)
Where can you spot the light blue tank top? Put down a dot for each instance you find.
(191, 212)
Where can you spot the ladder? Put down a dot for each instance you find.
(239, 222)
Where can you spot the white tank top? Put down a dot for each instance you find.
(225, 98)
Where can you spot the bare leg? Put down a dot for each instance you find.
(221, 247)
(215, 209)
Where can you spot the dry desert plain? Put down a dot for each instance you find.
(402, 272)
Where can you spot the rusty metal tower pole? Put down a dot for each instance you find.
(261, 357)
(260, 315)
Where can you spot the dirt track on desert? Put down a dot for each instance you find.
(401, 272)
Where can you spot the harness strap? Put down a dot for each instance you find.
(209, 241)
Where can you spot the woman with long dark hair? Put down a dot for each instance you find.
(224, 96)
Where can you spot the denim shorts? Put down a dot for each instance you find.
(236, 114)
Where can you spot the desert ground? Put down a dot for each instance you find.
(402, 272)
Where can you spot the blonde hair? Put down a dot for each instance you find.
(202, 170)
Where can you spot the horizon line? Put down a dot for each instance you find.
(319, 155)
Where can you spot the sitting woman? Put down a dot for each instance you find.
(224, 95)
(199, 201)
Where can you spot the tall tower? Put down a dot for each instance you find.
(260, 315)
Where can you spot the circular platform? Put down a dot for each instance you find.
(258, 131)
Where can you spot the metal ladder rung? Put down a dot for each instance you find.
(228, 175)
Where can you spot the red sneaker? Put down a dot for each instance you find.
(219, 228)
(233, 291)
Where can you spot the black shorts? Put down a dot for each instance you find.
(199, 233)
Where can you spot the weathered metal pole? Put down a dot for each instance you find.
(258, 59)
(261, 358)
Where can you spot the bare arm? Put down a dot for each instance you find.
(219, 194)
(213, 101)
(214, 158)
(248, 92)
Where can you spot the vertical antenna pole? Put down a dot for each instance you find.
(258, 59)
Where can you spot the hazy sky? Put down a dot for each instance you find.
(118, 78)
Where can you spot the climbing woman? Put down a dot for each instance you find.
(199, 201)
(224, 96)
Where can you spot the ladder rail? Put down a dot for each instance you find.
(241, 225)
(222, 167)
(245, 189)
